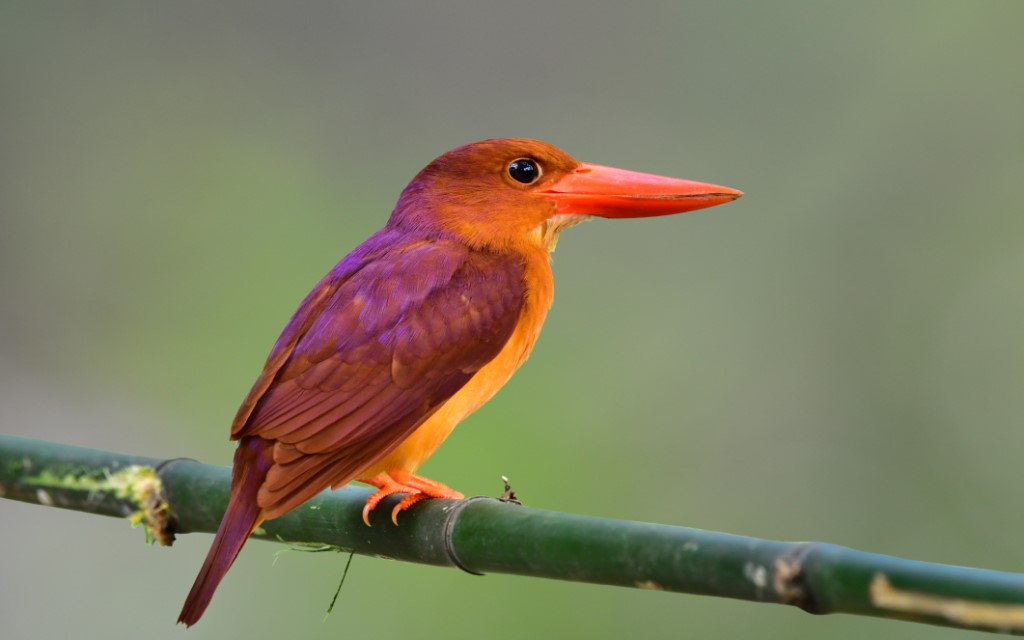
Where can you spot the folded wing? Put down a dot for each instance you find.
(381, 343)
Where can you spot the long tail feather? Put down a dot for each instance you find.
(253, 459)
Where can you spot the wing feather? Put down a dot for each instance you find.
(384, 340)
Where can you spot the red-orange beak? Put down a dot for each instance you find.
(616, 193)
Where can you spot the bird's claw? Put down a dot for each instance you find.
(415, 487)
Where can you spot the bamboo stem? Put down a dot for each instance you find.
(485, 535)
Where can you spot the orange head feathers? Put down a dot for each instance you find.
(415, 329)
(504, 192)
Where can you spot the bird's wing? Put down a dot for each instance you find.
(375, 349)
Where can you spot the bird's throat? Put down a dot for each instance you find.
(546, 233)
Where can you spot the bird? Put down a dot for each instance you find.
(415, 329)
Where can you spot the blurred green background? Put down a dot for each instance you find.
(837, 356)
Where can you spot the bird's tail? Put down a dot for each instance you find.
(253, 459)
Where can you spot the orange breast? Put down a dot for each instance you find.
(419, 446)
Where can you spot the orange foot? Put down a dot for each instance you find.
(415, 487)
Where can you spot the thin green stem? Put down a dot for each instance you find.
(485, 535)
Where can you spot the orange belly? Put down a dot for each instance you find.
(414, 450)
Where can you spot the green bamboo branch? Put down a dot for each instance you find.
(485, 535)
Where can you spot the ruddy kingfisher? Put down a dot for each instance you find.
(417, 328)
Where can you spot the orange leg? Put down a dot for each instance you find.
(415, 487)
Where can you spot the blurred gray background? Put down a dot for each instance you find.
(836, 357)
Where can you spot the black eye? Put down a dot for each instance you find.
(524, 170)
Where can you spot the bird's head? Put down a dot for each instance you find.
(507, 193)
